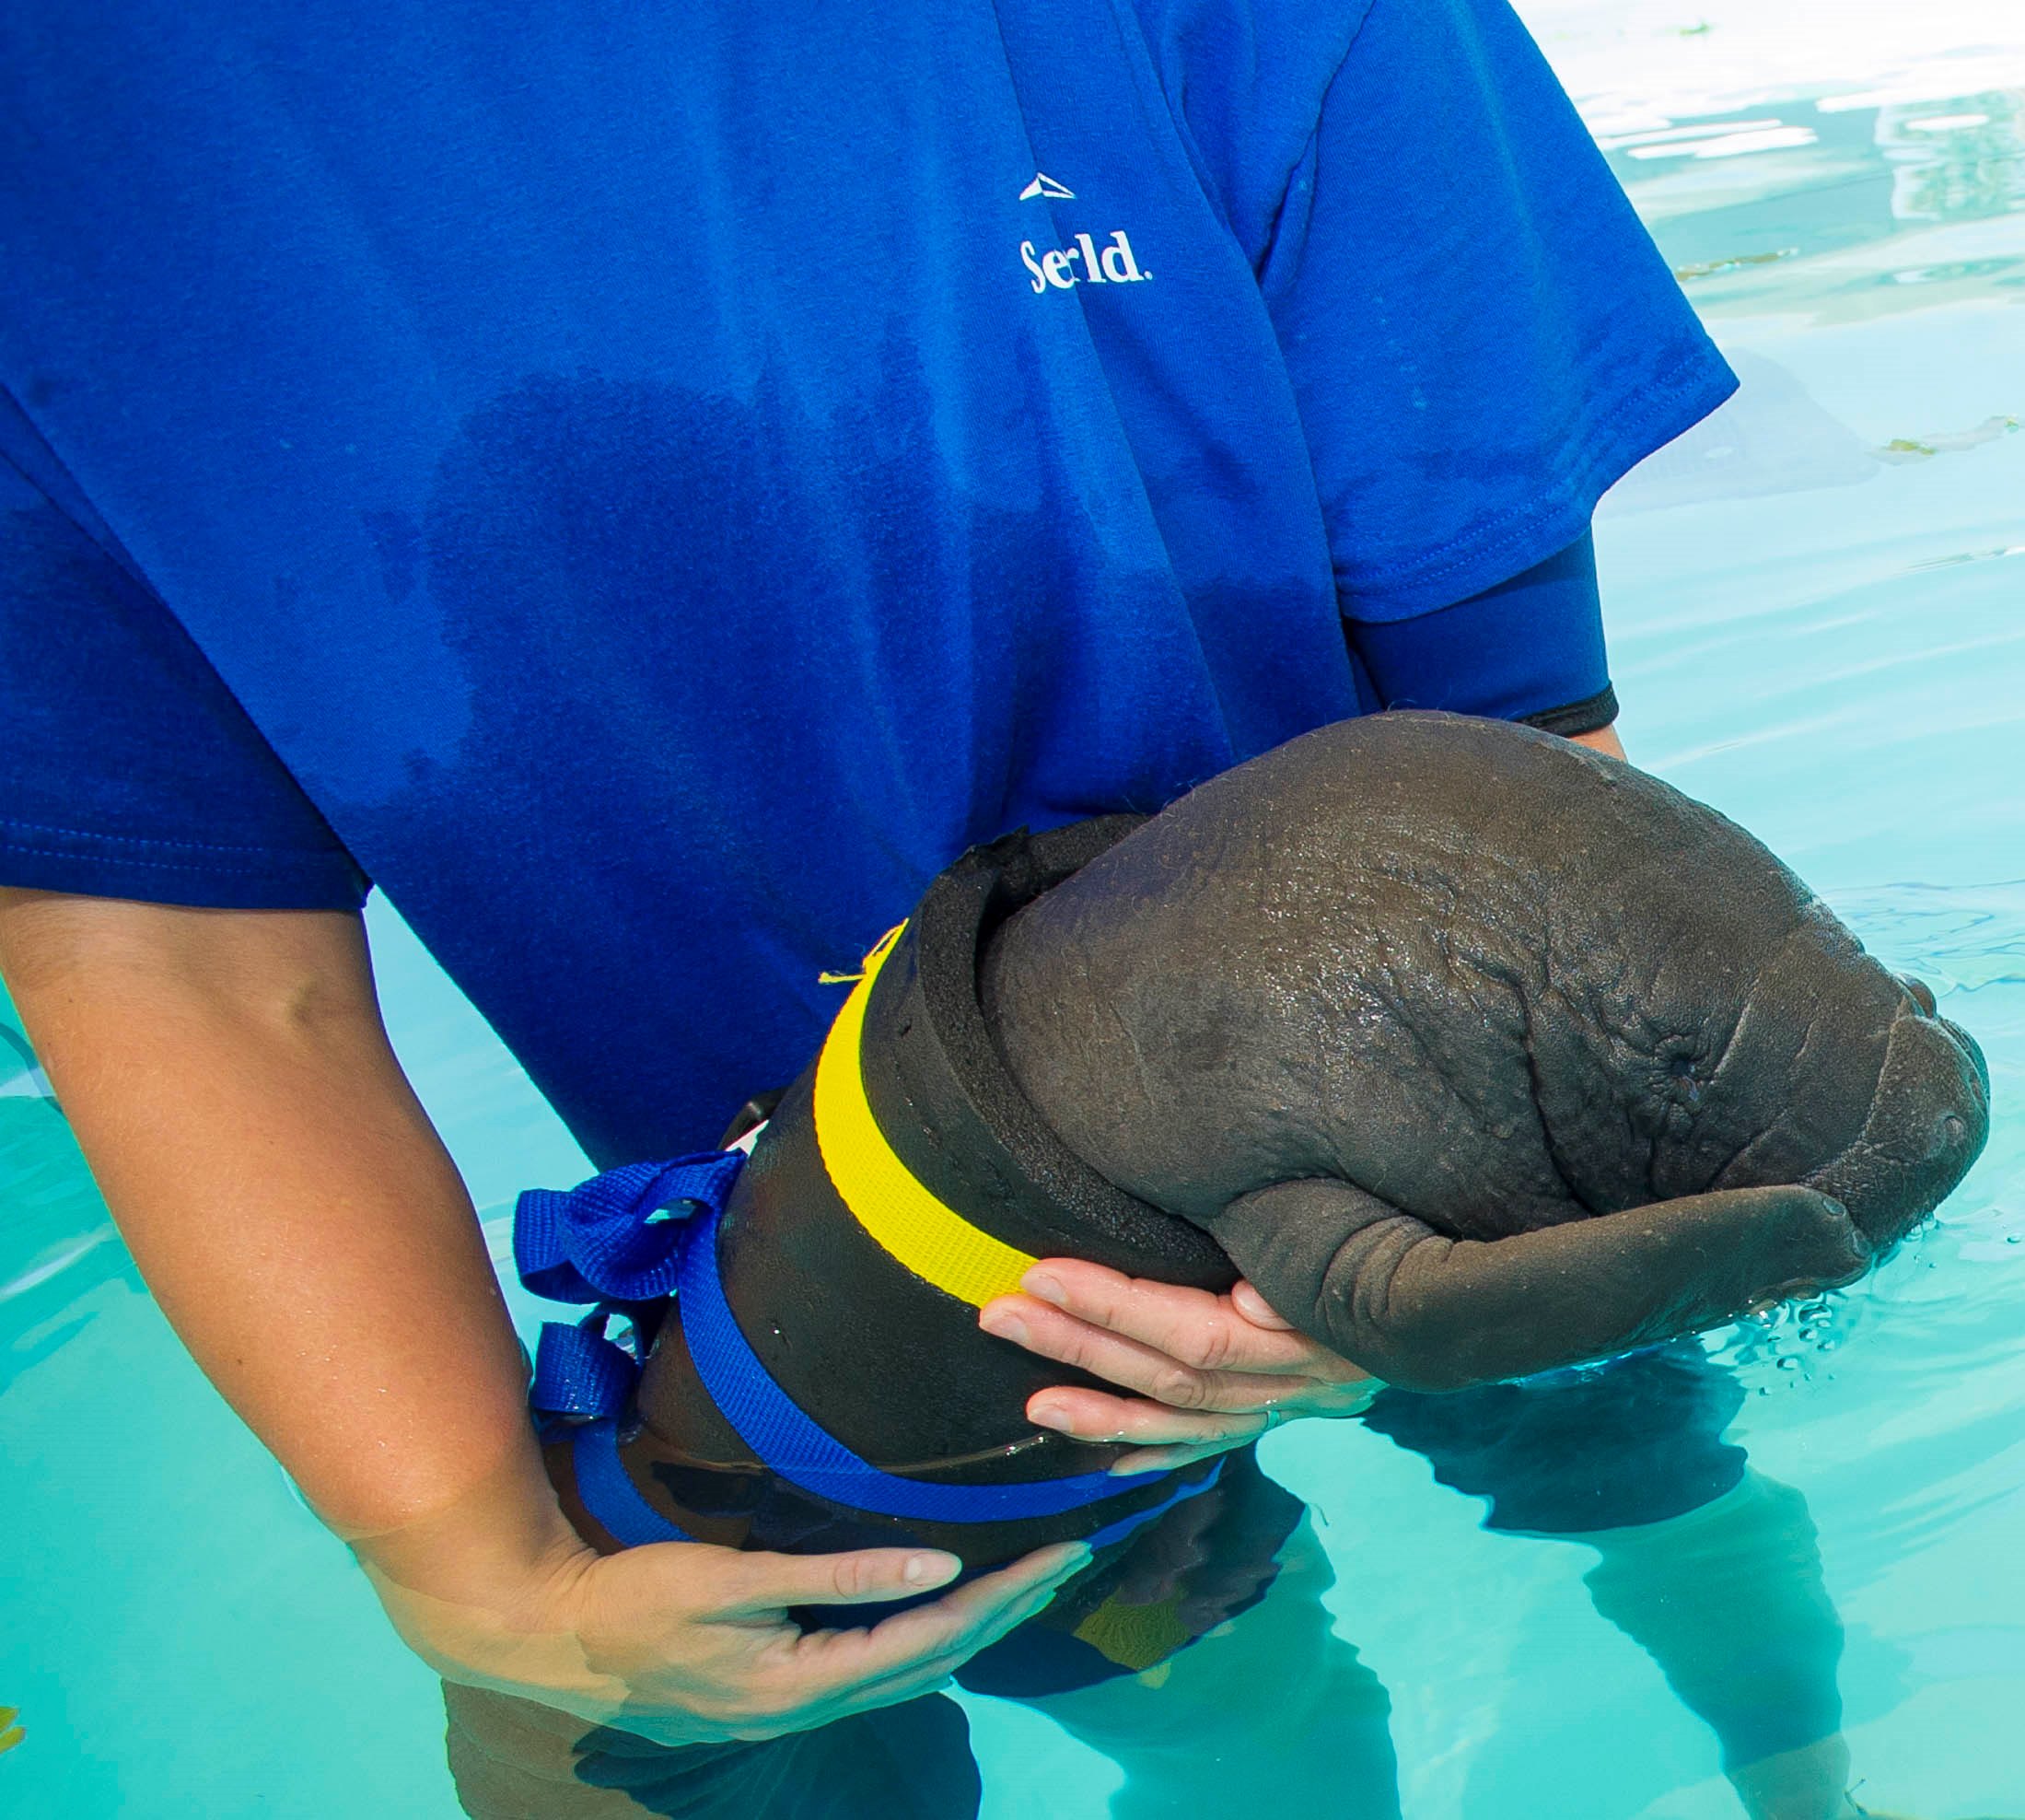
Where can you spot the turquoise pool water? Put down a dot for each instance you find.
(1817, 612)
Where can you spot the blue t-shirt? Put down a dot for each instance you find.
(646, 486)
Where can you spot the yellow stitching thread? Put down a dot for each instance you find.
(933, 1240)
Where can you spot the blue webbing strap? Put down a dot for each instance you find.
(797, 1449)
(609, 1494)
(578, 1371)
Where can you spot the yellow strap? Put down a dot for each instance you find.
(933, 1240)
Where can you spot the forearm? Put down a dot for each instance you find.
(289, 1203)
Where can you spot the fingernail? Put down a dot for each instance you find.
(929, 1569)
(1003, 1323)
(1050, 1415)
(1048, 1288)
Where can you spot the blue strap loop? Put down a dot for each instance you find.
(602, 1240)
(580, 1370)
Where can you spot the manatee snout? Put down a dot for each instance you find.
(1928, 1122)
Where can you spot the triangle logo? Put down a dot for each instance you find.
(1045, 185)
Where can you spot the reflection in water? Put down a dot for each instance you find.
(1739, 187)
(1957, 159)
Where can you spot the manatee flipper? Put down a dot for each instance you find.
(1431, 1313)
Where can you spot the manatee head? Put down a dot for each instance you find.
(1496, 979)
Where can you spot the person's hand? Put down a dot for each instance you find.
(679, 1642)
(684, 1644)
(1211, 1372)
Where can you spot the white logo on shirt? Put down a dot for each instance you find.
(1045, 185)
(1114, 265)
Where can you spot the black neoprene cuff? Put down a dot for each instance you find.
(1584, 716)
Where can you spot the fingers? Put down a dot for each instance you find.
(1118, 1327)
(1163, 1437)
(1144, 1460)
(929, 1641)
(761, 1582)
(1255, 1309)
(1127, 1362)
(1093, 1415)
(1190, 1328)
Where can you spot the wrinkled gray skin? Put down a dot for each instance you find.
(1479, 1051)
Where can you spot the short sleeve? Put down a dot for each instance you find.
(1530, 648)
(127, 768)
(1480, 335)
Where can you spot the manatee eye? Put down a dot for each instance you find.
(1681, 1067)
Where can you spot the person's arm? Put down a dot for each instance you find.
(287, 1201)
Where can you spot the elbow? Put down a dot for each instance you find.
(281, 974)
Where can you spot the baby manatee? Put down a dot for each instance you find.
(1454, 1034)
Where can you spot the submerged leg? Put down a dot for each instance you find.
(512, 1759)
(1729, 1601)
(1271, 1705)
(1712, 1569)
